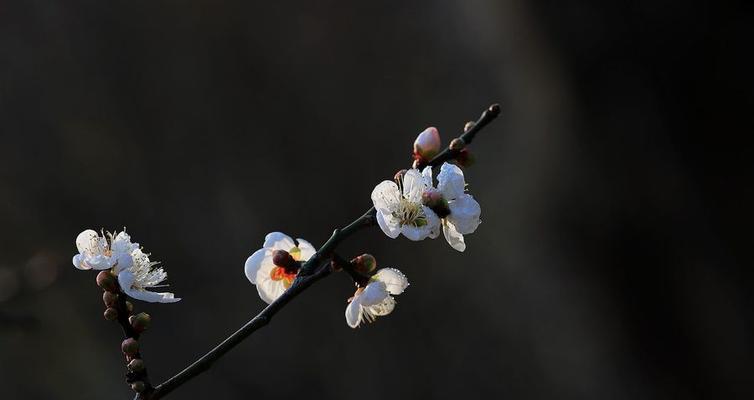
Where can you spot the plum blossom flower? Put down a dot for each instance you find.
(126, 260)
(142, 275)
(458, 210)
(97, 252)
(273, 280)
(400, 208)
(376, 298)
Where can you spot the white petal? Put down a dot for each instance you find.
(353, 313)
(252, 265)
(450, 181)
(89, 242)
(414, 233)
(385, 196)
(374, 293)
(433, 222)
(270, 290)
(464, 214)
(454, 238)
(413, 185)
(126, 280)
(427, 176)
(394, 280)
(78, 262)
(388, 224)
(383, 308)
(123, 261)
(99, 262)
(278, 241)
(307, 250)
(122, 244)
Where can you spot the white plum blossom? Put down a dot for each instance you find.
(458, 210)
(126, 260)
(400, 208)
(142, 275)
(272, 280)
(376, 299)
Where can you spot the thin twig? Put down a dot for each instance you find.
(311, 271)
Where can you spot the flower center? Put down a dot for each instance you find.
(279, 274)
(410, 213)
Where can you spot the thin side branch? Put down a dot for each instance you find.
(316, 268)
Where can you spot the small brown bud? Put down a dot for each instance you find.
(468, 126)
(109, 298)
(465, 158)
(457, 144)
(434, 200)
(129, 307)
(130, 347)
(364, 264)
(136, 365)
(140, 322)
(111, 314)
(138, 386)
(284, 259)
(107, 281)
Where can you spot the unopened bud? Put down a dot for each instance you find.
(109, 298)
(111, 314)
(434, 200)
(468, 126)
(364, 264)
(427, 144)
(285, 260)
(136, 365)
(107, 281)
(140, 322)
(130, 347)
(138, 386)
(457, 144)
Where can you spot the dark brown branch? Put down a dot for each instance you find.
(311, 271)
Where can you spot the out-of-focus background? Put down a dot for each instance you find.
(617, 215)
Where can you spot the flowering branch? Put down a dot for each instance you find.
(285, 268)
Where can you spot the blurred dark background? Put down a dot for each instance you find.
(611, 263)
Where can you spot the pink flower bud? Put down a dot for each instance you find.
(140, 322)
(136, 365)
(111, 314)
(427, 144)
(364, 264)
(130, 347)
(107, 281)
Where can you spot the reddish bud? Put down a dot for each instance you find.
(427, 144)
(434, 200)
(107, 281)
(284, 260)
(140, 322)
(138, 386)
(457, 144)
(364, 264)
(136, 365)
(109, 298)
(130, 347)
(111, 314)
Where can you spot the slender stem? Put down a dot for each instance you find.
(311, 271)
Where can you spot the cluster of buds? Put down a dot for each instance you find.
(428, 144)
(118, 308)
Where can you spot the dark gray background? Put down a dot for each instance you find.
(616, 212)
